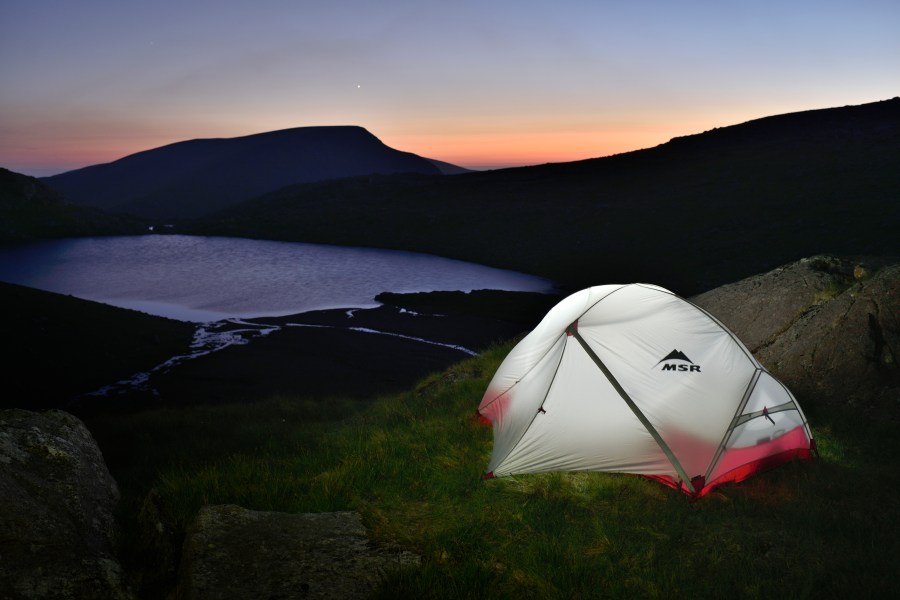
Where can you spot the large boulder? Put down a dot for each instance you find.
(829, 328)
(231, 552)
(57, 528)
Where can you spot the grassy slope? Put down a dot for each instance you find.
(412, 464)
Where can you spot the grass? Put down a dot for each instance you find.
(411, 464)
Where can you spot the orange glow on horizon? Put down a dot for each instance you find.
(531, 148)
(470, 147)
(477, 151)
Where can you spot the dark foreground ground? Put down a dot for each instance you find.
(328, 353)
(336, 353)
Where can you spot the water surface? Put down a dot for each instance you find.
(196, 278)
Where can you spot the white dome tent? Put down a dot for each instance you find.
(634, 379)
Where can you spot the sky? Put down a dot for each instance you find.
(482, 84)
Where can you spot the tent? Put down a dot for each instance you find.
(634, 379)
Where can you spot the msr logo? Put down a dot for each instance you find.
(676, 360)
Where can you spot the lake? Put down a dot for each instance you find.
(201, 279)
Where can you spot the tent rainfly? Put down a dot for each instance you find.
(634, 379)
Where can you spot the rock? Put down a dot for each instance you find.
(760, 308)
(57, 529)
(231, 552)
(828, 328)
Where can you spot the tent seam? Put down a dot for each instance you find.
(748, 392)
(538, 361)
(727, 330)
(537, 412)
(635, 409)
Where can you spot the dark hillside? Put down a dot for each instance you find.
(32, 210)
(193, 178)
(691, 214)
(58, 347)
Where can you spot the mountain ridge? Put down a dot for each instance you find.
(736, 201)
(193, 177)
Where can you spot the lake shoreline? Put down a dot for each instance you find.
(200, 279)
(64, 349)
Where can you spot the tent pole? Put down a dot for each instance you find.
(573, 331)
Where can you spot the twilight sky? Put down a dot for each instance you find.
(482, 84)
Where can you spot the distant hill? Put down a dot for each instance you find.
(31, 210)
(448, 168)
(690, 214)
(196, 177)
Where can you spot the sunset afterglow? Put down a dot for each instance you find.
(482, 85)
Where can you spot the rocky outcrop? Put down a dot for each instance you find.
(232, 552)
(57, 528)
(829, 328)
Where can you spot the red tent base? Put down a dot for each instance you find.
(738, 474)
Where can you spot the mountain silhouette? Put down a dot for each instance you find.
(196, 177)
(689, 215)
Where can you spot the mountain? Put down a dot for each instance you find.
(193, 178)
(448, 168)
(691, 214)
(30, 210)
